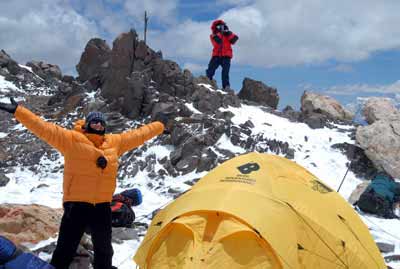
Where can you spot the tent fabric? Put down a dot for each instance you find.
(211, 240)
(270, 209)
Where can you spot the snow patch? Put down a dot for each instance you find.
(7, 86)
(26, 67)
(192, 108)
(210, 88)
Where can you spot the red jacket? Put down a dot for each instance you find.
(222, 42)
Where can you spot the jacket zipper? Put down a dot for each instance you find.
(222, 45)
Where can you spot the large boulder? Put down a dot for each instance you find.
(95, 60)
(45, 70)
(29, 223)
(132, 70)
(7, 62)
(355, 195)
(380, 108)
(317, 103)
(5, 59)
(3, 180)
(258, 92)
(381, 143)
(121, 67)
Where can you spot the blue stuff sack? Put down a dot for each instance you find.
(27, 261)
(7, 250)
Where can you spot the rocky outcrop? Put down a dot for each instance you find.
(45, 70)
(116, 84)
(3, 180)
(313, 103)
(379, 108)
(7, 64)
(355, 195)
(381, 143)
(94, 62)
(28, 223)
(258, 92)
(360, 164)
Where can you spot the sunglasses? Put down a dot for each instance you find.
(96, 121)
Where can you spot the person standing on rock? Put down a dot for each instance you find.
(90, 169)
(222, 40)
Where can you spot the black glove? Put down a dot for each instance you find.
(234, 39)
(161, 117)
(11, 108)
(227, 33)
(164, 119)
(101, 162)
(217, 39)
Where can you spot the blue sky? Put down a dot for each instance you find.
(345, 49)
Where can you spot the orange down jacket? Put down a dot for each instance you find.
(83, 180)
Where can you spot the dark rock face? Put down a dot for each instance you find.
(260, 93)
(289, 113)
(116, 84)
(314, 120)
(95, 61)
(360, 164)
(7, 62)
(3, 180)
(45, 70)
(385, 247)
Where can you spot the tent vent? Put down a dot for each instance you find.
(343, 244)
(341, 218)
(158, 223)
(300, 247)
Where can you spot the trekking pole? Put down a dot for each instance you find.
(341, 183)
(351, 155)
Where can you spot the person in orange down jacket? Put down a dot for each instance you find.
(90, 169)
(222, 40)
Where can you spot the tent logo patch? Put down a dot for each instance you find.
(248, 168)
(320, 187)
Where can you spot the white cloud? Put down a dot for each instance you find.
(162, 11)
(287, 32)
(194, 68)
(271, 33)
(188, 39)
(44, 30)
(355, 89)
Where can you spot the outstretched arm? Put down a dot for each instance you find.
(136, 137)
(54, 135)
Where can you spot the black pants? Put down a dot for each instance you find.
(77, 217)
(214, 63)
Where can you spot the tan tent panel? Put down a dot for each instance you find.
(259, 211)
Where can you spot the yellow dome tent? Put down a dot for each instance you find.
(259, 211)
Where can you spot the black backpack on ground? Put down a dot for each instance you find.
(371, 202)
(122, 215)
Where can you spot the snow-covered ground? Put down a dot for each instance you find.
(313, 151)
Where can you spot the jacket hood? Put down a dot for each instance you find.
(96, 139)
(214, 25)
